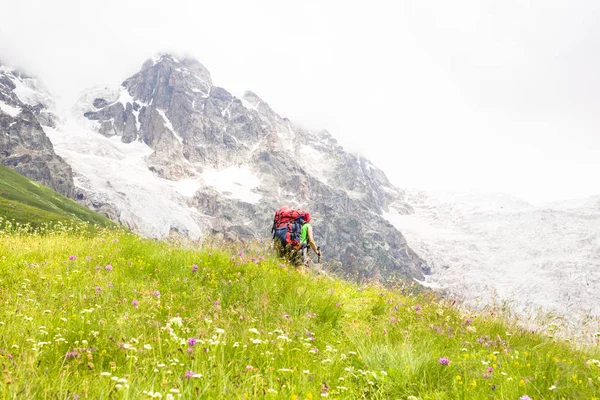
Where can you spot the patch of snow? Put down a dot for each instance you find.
(234, 182)
(136, 114)
(490, 247)
(10, 110)
(314, 162)
(124, 97)
(188, 187)
(249, 105)
(169, 125)
(114, 172)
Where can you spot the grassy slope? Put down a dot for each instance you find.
(27, 202)
(70, 326)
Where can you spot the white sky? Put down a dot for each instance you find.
(482, 95)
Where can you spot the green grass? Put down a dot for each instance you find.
(70, 326)
(24, 202)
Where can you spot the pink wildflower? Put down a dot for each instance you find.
(189, 374)
(191, 341)
(108, 267)
(72, 257)
(444, 361)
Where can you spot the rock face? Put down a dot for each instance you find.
(241, 161)
(25, 109)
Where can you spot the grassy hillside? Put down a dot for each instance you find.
(120, 317)
(28, 202)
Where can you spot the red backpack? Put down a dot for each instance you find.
(287, 226)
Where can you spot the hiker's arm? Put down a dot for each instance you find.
(311, 241)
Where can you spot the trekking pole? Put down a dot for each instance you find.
(319, 255)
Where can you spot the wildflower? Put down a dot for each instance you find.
(490, 369)
(417, 308)
(9, 356)
(72, 258)
(189, 374)
(73, 354)
(108, 267)
(105, 374)
(147, 347)
(191, 341)
(219, 331)
(254, 330)
(525, 398)
(444, 361)
(249, 367)
(232, 258)
(156, 293)
(134, 303)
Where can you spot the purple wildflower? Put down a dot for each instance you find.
(72, 257)
(108, 267)
(444, 361)
(72, 354)
(490, 369)
(525, 398)
(486, 376)
(189, 374)
(232, 258)
(194, 268)
(156, 293)
(134, 303)
(191, 341)
(417, 308)
(9, 356)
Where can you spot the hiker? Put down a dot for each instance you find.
(292, 235)
(307, 240)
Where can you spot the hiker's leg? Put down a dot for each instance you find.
(305, 258)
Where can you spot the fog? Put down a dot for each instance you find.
(485, 96)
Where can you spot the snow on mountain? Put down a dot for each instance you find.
(114, 173)
(496, 247)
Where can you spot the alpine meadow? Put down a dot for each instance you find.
(102, 313)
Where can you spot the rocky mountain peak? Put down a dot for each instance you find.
(224, 165)
(26, 110)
